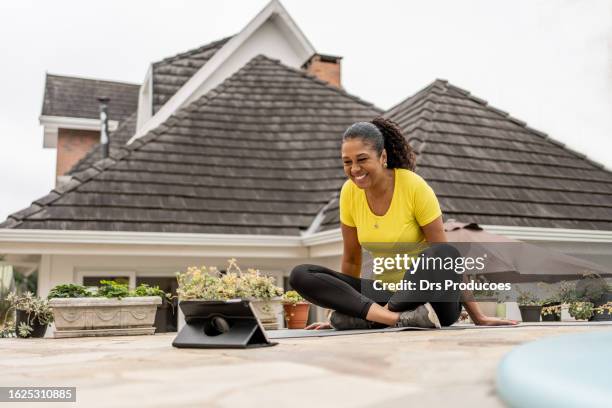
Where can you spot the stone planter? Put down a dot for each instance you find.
(86, 317)
(296, 315)
(269, 312)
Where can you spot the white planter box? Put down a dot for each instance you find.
(269, 312)
(565, 316)
(86, 317)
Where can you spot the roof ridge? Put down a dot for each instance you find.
(99, 166)
(193, 51)
(430, 115)
(524, 125)
(86, 78)
(318, 81)
(434, 84)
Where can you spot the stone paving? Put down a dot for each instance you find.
(417, 368)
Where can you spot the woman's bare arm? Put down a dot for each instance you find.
(351, 256)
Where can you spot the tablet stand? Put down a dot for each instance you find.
(220, 324)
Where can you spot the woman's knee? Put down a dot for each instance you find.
(299, 276)
(443, 250)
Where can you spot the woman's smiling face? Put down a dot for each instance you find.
(361, 162)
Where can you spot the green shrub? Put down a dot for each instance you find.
(292, 297)
(112, 289)
(208, 284)
(69, 290)
(145, 290)
(581, 310)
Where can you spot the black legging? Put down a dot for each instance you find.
(354, 296)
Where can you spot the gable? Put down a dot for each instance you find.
(272, 33)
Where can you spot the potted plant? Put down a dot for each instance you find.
(296, 310)
(529, 306)
(603, 312)
(551, 312)
(110, 311)
(566, 295)
(33, 314)
(551, 309)
(206, 284)
(163, 313)
(581, 310)
(592, 288)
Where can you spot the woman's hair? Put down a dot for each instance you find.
(382, 133)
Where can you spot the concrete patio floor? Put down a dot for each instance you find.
(416, 368)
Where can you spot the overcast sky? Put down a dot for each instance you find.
(548, 63)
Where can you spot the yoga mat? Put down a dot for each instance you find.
(571, 370)
(299, 333)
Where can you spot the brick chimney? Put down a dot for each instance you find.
(324, 67)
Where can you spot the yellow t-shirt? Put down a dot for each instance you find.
(413, 205)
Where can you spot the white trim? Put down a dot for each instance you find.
(321, 238)
(549, 234)
(318, 219)
(275, 11)
(519, 233)
(145, 99)
(282, 241)
(144, 238)
(51, 124)
(187, 244)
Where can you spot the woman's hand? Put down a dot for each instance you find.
(480, 319)
(319, 326)
(494, 321)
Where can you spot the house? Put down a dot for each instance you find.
(231, 150)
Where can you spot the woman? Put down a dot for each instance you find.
(382, 201)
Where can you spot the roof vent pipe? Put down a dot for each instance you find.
(104, 139)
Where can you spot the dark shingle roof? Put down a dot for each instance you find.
(488, 167)
(257, 155)
(171, 73)
(118, 139)
(77, 97)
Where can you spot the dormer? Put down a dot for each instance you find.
(272, 33)
(71, 114)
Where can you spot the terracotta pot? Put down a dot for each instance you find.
(296, 315)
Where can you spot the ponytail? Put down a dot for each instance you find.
(385, 134)
(399, 153)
